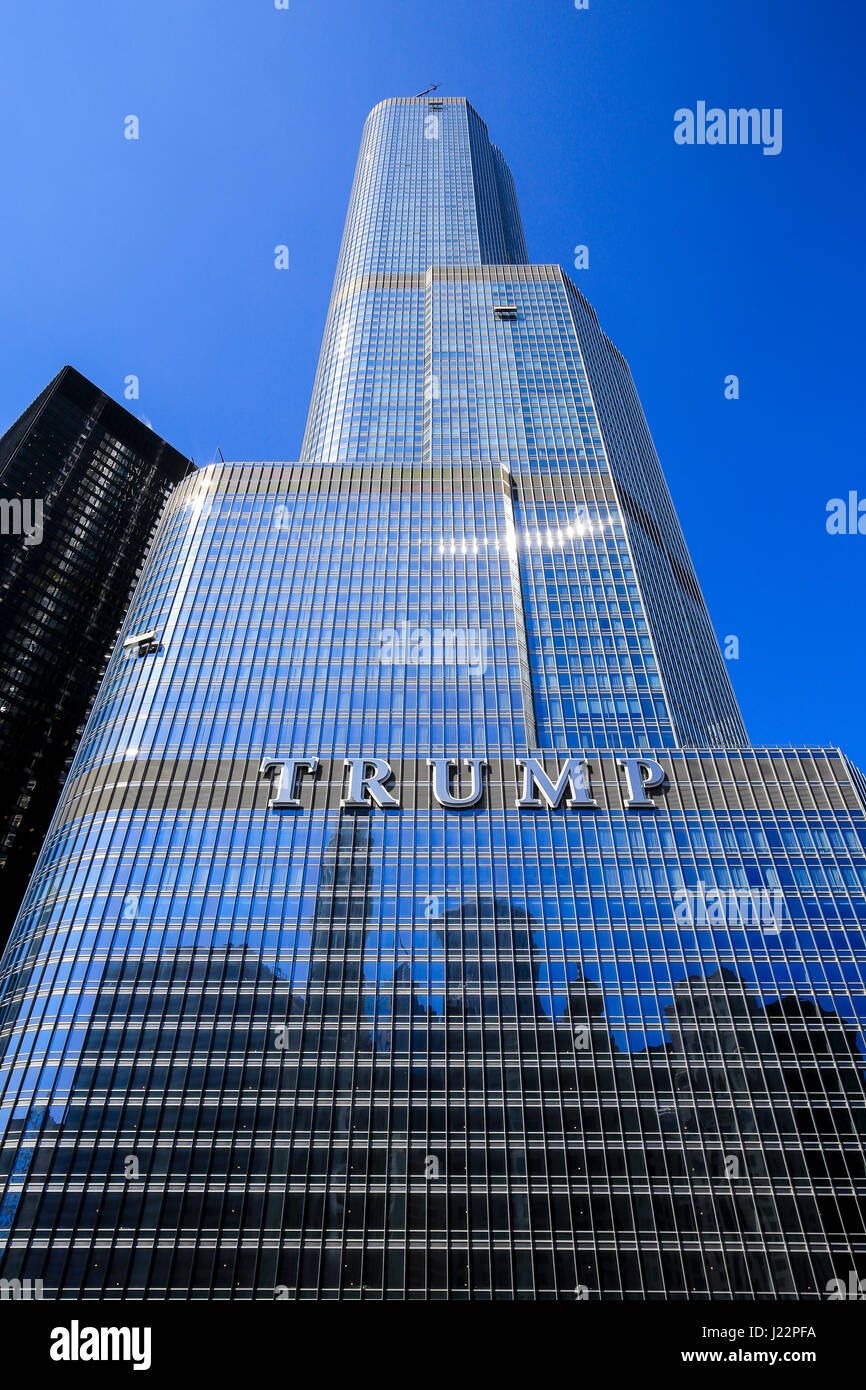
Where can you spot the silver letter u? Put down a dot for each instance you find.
(442, 781)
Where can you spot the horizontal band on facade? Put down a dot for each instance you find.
(751, 781)
(410, 475)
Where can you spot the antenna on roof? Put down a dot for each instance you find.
(220, 452)
(434, 88)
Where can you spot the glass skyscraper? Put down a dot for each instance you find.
(417, 921)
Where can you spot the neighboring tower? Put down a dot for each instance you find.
(82, 486)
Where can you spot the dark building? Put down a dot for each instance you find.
(82, 486)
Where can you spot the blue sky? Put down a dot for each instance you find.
(155, 257)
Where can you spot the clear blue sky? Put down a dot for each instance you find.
(155, 257)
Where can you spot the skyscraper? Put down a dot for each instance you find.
(82, 485)
(417, 920)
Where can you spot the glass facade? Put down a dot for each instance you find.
(87, 483)
(315, 1029)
